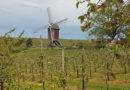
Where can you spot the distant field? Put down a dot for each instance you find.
(65, 43)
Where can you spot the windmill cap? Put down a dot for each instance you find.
(55, 26)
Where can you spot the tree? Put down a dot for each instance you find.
(106, 18)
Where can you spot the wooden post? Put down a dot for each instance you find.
(83, 73)
(76, 67)
(1, 85)
(63, 69)
(41, 43)
(63, 61)
(43, 75)
(107, 76)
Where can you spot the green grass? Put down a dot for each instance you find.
(72, 85)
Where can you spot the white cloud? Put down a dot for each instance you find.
(32, 14)
(20, 10)
(60, 8)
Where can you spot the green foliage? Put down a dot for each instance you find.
(79, 2)
(106, 19)
(30, 69)
(8, 46)
(92, 7)
(29, 42)
(81, 18)
(9, 32)
(95, 62)
(61, 82)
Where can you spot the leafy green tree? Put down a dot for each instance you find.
(106, 18)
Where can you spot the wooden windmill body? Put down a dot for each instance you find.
(54, 32)
(53, 35)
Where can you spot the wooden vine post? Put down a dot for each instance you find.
(63, 69)
(107, 76)
(41, 43)
(43, 76)
(63, 61)
(83, 73)
(1, 85)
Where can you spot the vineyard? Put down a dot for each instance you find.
(40, 59)
(63, 68)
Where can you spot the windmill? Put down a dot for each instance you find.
(53, 29)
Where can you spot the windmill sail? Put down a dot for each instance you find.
(62, 21)
(49, 15)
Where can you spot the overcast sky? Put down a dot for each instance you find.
(29, 15)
